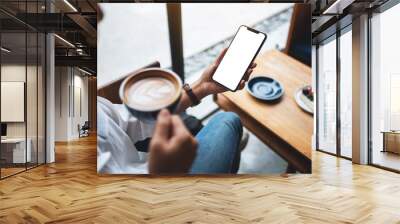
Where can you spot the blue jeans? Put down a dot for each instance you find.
(218, 150)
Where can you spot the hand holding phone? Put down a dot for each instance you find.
(238, 58)
(209, 86)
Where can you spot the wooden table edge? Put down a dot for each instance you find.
(295, 159)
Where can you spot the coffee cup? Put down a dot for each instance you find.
(146, 92)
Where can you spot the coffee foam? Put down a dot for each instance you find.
(151, 93)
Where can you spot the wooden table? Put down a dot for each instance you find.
(391, 141)
(283, 126)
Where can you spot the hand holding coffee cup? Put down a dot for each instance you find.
(172, 149)
(148, 91)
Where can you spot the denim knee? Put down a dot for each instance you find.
(231, 119)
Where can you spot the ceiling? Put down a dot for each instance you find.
(74, 22)
(332, 15)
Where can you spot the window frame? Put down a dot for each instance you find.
(333, 37)
(381, 9)
(27, 29)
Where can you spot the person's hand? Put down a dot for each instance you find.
(209, 86)
(172, 148)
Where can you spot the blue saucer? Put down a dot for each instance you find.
(264, 88)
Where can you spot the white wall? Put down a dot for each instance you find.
(15, 72)
(61, 103)
(79, 117)
(70, 83)
(33, 126)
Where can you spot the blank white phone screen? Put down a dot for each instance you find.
(238, 57)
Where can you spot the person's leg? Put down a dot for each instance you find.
(218, 150)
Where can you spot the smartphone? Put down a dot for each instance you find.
(241, 52)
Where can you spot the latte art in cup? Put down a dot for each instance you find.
(151, 93)
(147, 91)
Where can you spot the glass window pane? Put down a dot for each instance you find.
(327, 97)
(31, 89)
(41, 79)
(31, 98)
(149, 37)
(346, 94)
(22, 89)
(385, 89)
(13, 86)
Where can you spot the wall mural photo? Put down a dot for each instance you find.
(190, 90)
